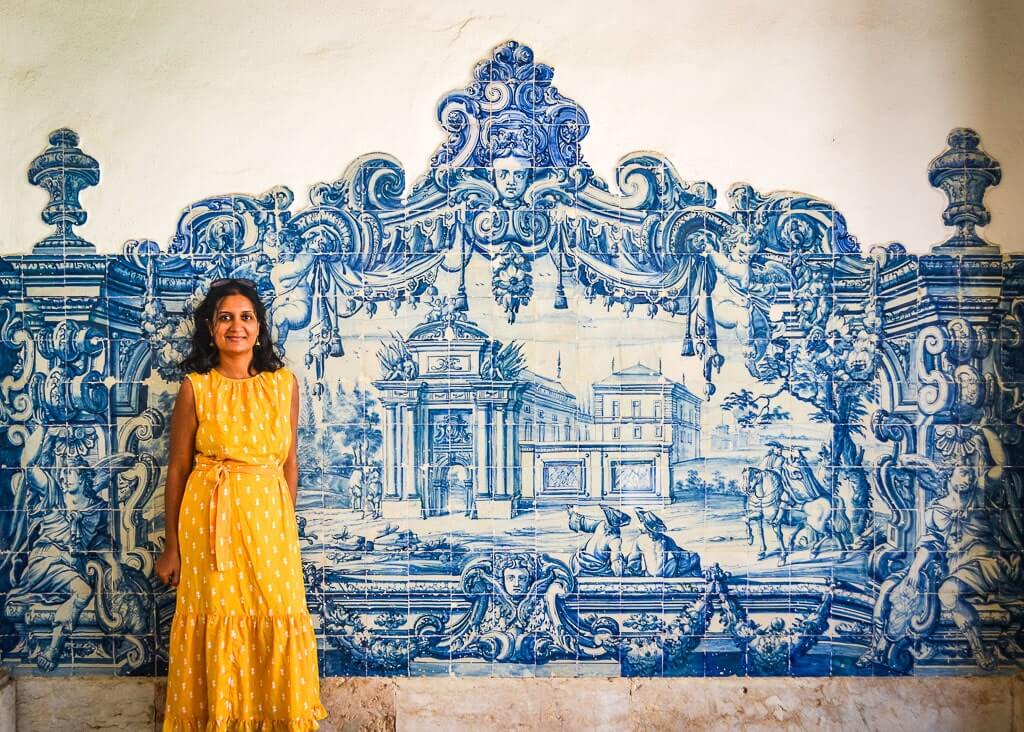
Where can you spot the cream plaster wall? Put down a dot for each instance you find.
(845, 100)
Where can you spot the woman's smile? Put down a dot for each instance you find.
(235, 326)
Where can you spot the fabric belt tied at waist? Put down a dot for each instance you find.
(220, 501)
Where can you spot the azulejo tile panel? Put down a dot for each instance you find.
(551, 424)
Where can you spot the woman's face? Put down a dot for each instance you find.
(235, 325)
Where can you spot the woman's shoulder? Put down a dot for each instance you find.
(196, 386)
(284, 375)
(196, 378)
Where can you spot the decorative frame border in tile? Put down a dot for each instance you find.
(800, 459)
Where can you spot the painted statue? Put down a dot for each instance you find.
(962, 556)
(70, 523)
(601, 553)
(655, 554)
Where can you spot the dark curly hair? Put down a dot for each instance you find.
(204, 355)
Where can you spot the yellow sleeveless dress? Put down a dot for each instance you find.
(243, 653)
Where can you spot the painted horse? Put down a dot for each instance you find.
(771, 500)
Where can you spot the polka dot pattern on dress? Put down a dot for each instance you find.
(243, 654)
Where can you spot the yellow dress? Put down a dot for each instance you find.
(242, 649)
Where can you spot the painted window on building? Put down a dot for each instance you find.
(633, 476)
(563, 478)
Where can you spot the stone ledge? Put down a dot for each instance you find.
(986, 704)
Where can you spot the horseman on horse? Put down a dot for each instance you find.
(783, 490)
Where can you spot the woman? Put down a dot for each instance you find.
(242, 648)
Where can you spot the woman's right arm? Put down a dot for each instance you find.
(179, 465)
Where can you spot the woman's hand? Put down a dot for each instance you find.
(168, 567)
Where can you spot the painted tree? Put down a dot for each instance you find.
(833, 371)
(309, 447)
(307, 414)
(832, 368)
(694, 482)
(718, 481)
(749, 412)
(336, 459)
(360, 433)
(319, 447)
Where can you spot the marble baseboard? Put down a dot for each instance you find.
(994, 704)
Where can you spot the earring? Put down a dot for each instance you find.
(257, 340)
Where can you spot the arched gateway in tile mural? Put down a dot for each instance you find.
(552, 424)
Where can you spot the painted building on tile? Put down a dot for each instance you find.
(644, 428)
(469, 429)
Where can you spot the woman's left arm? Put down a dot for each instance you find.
(291, 464)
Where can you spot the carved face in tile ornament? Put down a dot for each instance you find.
(516, 580)
(962, 481)
(516, 572)
(511, 177)
(511, 141)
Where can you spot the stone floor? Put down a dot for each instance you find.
(991, 704)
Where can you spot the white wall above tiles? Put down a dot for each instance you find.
(178, 101)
